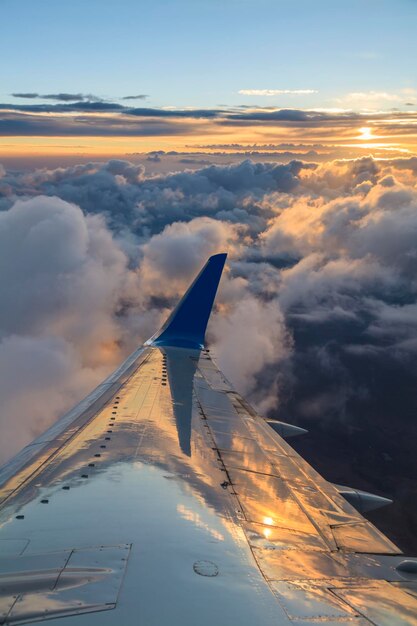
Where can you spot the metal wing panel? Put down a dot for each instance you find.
(155, 483)
(222, 521)
(161, 483)
(305, 536)
(319, 499)
(381, 603)
(42, 449)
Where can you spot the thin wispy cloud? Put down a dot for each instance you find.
(374, 100)
(141, 96)
(84, 115)
(58, 97)
(73, 97)
(276, 92)
(26, 94)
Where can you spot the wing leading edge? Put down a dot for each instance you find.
(165, 499)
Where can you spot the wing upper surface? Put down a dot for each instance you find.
(165, 499)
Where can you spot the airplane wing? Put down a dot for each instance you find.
(164, 499)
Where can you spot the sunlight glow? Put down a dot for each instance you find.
(366, 133)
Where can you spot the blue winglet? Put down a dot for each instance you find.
(186, 326)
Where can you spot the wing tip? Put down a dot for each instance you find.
(219, 255)
(186, 326)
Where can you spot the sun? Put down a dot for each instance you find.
(365, 133)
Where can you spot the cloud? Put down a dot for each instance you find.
(141, 96)
(23, 125)
(27, 94)
(191, 161)
(172, 113)
(145, 205)
(60, 97)
(260, 147)
(336, 133)
(73, 97)
(90, 106)
(39, 378)
(249, 337)
(101, 278)
(304, 116)
(93, 104)
(173, 257)
(375, 99)
(96, 117)
(61, 277)
(276, 92)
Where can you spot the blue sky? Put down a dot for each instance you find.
(324, 70)
(195, 53)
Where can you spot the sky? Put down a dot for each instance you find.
(105, 79)
(138, 138)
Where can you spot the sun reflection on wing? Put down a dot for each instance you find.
(267, 531)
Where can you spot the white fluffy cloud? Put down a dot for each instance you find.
(40, 377)
(249, 336)
(321, 272)
(61, 277)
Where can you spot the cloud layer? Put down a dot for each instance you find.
(68, 115)
(316, 318)
(276, 92)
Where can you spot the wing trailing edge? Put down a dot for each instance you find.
(186, 326)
